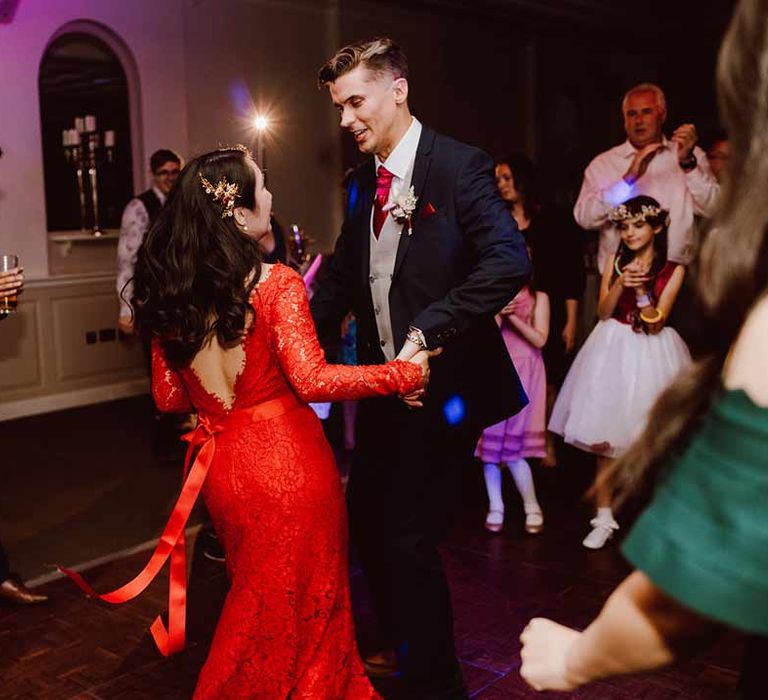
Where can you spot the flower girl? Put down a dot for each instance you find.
(630, 356)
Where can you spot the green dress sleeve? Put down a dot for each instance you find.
(704, 537)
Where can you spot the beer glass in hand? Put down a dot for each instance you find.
(10, 283)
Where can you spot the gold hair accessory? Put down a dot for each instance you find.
(225, 192)
(622, 213)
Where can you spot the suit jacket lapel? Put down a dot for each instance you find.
(368, 191)
(418, 181)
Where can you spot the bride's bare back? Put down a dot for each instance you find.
(217, 368)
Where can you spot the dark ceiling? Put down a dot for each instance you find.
(627, 17)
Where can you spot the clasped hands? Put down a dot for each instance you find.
(411, 352)
(635, 276)
(684, 139)
(510, 307)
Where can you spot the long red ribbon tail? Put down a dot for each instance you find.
(172, 544)
(171, 640)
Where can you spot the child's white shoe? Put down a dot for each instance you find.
(494, 521)
(602, 531)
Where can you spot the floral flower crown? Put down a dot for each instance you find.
(622, 213)
(225, 193)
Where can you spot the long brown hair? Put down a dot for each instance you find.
(634, 207)
(733, 260)
(190, 273)
(526, 181)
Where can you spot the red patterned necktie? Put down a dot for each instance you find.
(383, 185)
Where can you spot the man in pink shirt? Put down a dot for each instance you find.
(673, 171)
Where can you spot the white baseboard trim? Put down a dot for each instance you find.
(72, 399)
(106, 559)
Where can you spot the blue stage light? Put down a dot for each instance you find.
(353, 195)
(240, 95)
(619, 193)
(454, 410)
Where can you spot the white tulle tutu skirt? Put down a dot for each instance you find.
(612, 385)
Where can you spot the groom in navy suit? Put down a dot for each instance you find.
(427, 255)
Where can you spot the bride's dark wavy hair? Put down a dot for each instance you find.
(191, 271)
(733, 265)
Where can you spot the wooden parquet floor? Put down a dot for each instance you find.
(74, 648)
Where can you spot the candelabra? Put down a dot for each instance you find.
(85, 149)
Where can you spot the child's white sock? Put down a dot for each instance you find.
(605, 514)
(493, 486)
(521, 473)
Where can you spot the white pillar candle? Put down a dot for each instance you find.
(90, 122)
(79, 125)
(109, 139)
(65, 137)
(74, 136)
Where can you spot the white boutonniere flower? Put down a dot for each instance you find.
(403, 207)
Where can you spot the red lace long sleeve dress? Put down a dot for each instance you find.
(275, 499)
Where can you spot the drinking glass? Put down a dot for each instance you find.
(8, 302)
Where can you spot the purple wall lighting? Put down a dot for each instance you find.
(7, 10)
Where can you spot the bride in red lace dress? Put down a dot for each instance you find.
(234, 341)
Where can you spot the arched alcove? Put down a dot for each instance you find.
(86, 69)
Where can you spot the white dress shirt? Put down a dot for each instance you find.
(384, 248)
(133, 227)
(682, 194)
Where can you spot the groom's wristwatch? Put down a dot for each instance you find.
(417, 337)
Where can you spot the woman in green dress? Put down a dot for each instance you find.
(701, 547)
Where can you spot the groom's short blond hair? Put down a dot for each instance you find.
(380, 55)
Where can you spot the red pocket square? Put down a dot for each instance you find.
(428, 210)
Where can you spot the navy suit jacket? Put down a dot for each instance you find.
(463, 262)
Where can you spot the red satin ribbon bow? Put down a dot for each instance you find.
(173, 540)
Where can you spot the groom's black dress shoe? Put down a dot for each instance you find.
(12, 590)
(212, 548)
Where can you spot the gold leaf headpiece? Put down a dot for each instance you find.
(224, 192)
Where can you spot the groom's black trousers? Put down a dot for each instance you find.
(403, 489)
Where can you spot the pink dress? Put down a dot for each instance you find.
(521, 435)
